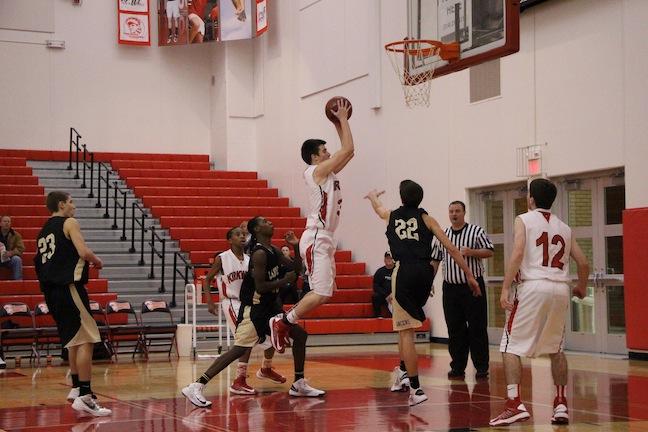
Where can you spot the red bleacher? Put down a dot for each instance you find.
(198, 206)
(25, 203)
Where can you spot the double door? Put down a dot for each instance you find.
(592, 206)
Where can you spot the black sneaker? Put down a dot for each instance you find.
(453, 374)
(481, 375)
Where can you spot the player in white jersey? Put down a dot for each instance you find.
(538, 306)
(318, 244)
(230, 268)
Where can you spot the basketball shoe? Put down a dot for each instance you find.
(300, 388)
(417, 396)
(270, 374)
(279, 333)
(86, 404)
(241, 387)
(73, 394)
(560, 414)
(194, 392)
(514, 411)
(401, 380)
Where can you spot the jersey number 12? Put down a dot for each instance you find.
(543, 241)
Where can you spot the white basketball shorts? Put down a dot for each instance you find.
(173, 9)
(536, 325)
(317, 248)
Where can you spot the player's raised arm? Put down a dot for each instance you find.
(434, 226)
(377, 205)
(340, 158)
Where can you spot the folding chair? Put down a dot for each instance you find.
(157, 334)
(24, 334)
(118, 313)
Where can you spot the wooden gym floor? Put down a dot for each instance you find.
(608, 394)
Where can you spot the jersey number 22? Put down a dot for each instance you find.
(406, 230)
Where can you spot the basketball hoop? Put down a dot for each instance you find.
(416, 67)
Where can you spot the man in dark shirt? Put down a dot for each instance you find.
(382, 285)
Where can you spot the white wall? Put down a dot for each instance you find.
(579, 83)
(120, 98)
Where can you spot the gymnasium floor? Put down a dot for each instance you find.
(604, 393)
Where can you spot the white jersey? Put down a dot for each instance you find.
(548, 245)
(325, 201)
(231, 277)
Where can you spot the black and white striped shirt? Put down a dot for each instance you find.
(472, 236)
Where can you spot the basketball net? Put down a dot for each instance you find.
(405, 55)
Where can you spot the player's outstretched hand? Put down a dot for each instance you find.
(98, 263)
(342, 111)
(291, 238)
(373, 194)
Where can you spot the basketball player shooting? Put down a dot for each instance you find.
(318, 244)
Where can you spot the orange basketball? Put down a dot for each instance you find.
(331, 106)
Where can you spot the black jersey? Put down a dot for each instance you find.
(263, 305)
(408, 236)
(249, 295)
(57, 260)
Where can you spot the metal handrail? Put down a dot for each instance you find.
(162, 255)
(142, 224)
(187, 267)
(121, 206)
(74, 141)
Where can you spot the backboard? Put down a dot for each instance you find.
(486, 29)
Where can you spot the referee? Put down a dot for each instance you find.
(465, 311)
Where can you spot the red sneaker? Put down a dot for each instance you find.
(560, 414)
(270, 374)
(241, 387)
(279, 333)
(514, 411)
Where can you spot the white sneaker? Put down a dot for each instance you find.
(194, 392)
(401, 380)
(417, 396)
(301, 388)
(87, 404)
(3, 365)
(74, 393)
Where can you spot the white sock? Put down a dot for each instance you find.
(241, 369)
(513, 391)
(292, 317)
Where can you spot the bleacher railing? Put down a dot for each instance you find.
(120, 196)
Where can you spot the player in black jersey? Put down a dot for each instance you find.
(62, 260)
(410, 231)
(259, 303)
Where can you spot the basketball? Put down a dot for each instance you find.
(331, 105)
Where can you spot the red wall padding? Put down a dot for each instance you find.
(635, 257)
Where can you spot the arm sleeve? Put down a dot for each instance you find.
(437, 250)
(483, 241)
